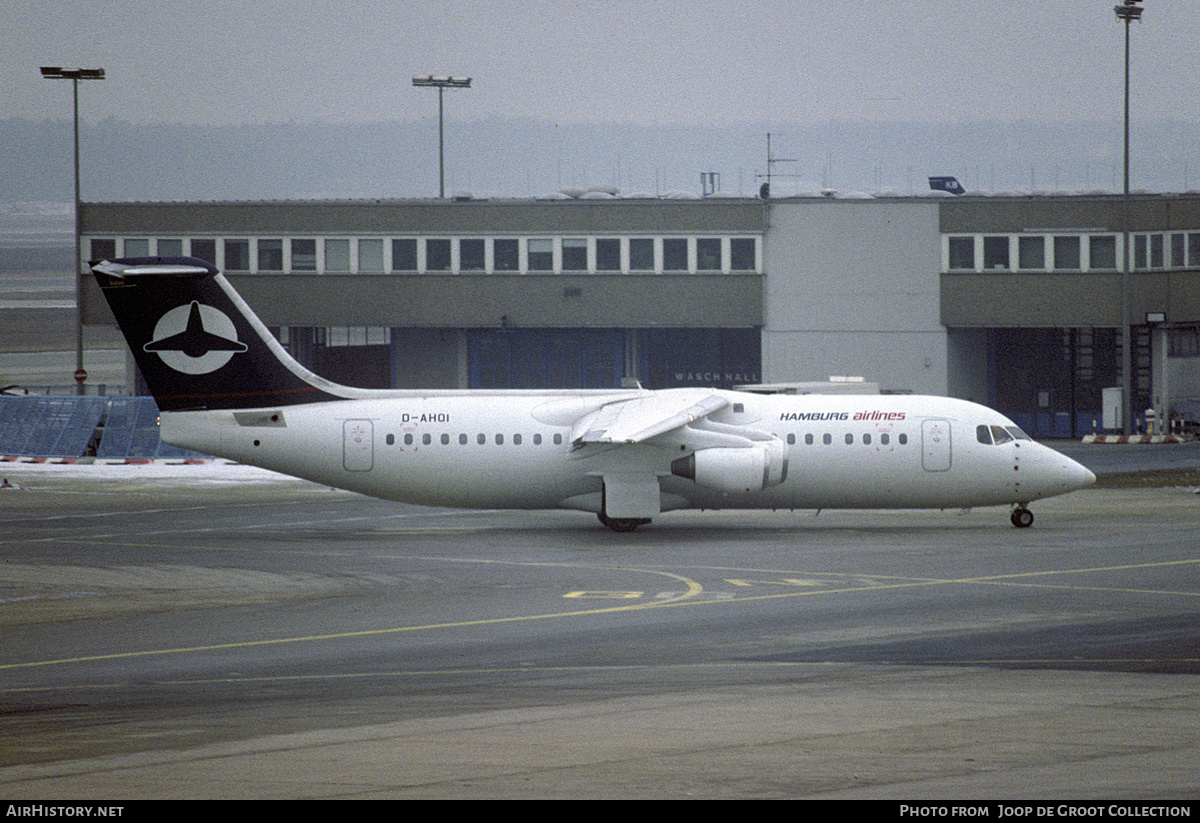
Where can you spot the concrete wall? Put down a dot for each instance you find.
(852, 288)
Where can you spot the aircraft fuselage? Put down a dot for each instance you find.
(514, 450)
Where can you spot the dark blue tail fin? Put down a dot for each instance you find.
(197, 343)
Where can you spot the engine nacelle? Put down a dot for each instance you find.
(733, 470)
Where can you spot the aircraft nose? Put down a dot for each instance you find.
(1087, 476)
(1076, 475)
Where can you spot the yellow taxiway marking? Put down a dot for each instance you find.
(688, 599)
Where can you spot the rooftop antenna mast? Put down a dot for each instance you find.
(764, 191)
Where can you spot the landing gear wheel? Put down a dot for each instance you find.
(1022, 517)
(622, 524)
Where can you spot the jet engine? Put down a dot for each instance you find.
(735, 470)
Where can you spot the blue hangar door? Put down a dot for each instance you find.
(545, 358)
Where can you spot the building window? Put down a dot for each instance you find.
(541, 254)
(608, 254)
(169, 247)
(337, 255)
(506, 255)
(995, 253)
(370, 255)
(237, 255)
(137, 247)
(204, 249)
(574, 254)
(470, 255)
(304, 254)
(675, 254)
(1193, 245)
(106, 248)
(641, 254)
(437, 254)
(708, 254)
(357, 336)
(270, 255)
(743, 252)
(1031, 252)
(1177, 258)
(1156, 251)
(404, 254)
(1102, 251)
(962, 253)
(1066, 252)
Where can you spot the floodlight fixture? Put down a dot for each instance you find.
(1126, 11)
(75, 75)
(430, 81)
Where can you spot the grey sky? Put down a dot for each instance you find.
(666, 61)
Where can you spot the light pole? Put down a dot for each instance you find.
(441, 84)
(1127, 11)
(75, 75)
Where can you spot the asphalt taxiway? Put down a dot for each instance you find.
(217, 632)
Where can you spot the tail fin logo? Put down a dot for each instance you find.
(195, 339)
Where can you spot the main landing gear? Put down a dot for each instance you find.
(622, 524)
(1022, 517)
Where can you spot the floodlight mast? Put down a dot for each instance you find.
(75, 75)
(441, 84)
(1126, 11)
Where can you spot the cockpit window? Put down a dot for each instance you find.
(995, 435)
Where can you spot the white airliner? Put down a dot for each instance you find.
(226, 387)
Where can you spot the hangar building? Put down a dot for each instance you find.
(1013, 301)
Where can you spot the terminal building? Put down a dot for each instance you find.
(1011, 301)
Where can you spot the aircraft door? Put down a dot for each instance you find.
(358, 445)
(935, 445)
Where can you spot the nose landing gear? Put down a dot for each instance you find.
(1022, 517)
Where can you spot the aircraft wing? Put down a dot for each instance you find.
(640, 418)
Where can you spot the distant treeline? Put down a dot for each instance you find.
(525, 157)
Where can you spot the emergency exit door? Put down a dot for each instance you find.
(358, 445)
(935, 445)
